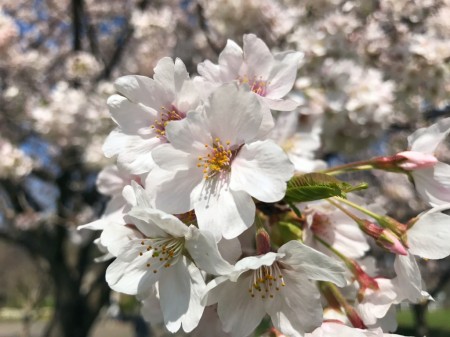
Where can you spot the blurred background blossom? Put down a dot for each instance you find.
(371, 72)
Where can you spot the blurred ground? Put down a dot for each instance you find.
(103, 328)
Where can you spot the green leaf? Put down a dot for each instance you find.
(316, 186)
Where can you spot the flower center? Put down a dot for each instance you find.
(165, 117)
(161, 252)
(217, 160)
(258, 86)
(266, 281)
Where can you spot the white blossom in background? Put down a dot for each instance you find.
(82, 66)
(299, 141)
(15, 163)
(8, 31)
(68, 117)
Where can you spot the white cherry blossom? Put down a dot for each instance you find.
(142, 111)
(278, 284)
(431, 177)
(215, 165)
(270, 76)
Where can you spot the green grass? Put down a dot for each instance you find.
(438, 322)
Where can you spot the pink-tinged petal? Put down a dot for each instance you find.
(190, 134)
(132, 118)
(433, 184)
(296, 308)
(110, 180)
(143, 90)
(280, 104)
(166, 222)
(180, 288)
(223, 212)
(283, 74)
(172, 190)
(234, 114)
(315, 265)
(427, 139)
(430, 236)
(257, 57)
(416, 160)
(261, 169)
(239, 312)
(408, 282)
(203, 249)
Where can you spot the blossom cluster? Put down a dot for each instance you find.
(219, 209)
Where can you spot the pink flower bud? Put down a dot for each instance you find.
(262, 241)
(416, 160)
(391, 242)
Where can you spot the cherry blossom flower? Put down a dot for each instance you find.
(215, 165)
(270, 76)
(155, 255)
(278, 284)
(143, 110)
(431, 177)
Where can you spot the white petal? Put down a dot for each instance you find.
(172, 189)
(261, 169)
(315, 265)
(132, 118)
(427, 139)
(190, 134)
(203, 249)
(180, 288)
(115, 142)
(430, 236)
(110, 180)
(171, 74)
(171, 159)
(257, 56)
(409, 280)
(239, 312)
(154, 217)
(283, 74)
(141, 89)
(223, 212)
(433, 184)
(297, 307)
(234, 114)
(136, 156)
(280, 104)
